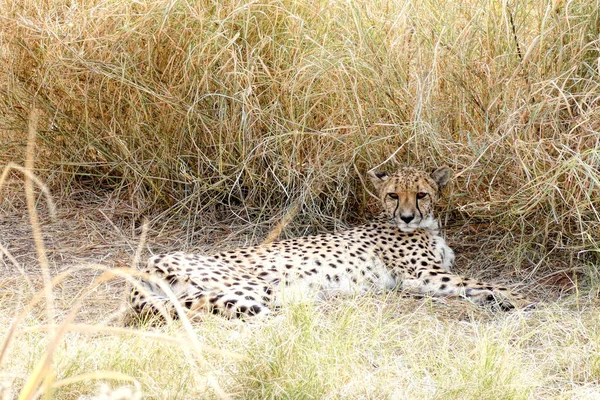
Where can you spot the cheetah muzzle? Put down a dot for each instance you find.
(400, 250)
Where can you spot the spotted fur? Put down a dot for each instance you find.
(400, 250)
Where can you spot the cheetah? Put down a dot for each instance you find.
(402, 249)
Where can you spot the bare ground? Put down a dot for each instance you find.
(91, 233)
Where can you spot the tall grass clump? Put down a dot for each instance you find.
(273, 104)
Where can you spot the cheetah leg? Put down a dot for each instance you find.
(196, 294)
(234, 304)
(444, 284)
(155, 295)
(150, 298)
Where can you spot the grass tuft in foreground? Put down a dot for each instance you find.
(367, 347)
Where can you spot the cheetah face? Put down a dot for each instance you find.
(409, 195)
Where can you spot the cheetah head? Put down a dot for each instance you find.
(408, 196)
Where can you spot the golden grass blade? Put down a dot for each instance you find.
(96, 375)
(16, 263)
(14, 326)
(30, 175)
(41, 370)
(33, 216)
(285, 220)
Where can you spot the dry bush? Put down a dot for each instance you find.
(263, 106)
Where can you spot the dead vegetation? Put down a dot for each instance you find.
(210, 123)
(255, 108)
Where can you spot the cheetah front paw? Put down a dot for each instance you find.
(500, 301)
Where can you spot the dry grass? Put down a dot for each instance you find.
(218, 122)
(367, 347)
(265, 106)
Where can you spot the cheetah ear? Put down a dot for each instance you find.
(378, 178)
(442, 176)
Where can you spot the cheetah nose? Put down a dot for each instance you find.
(407, 218)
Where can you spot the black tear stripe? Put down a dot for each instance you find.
(396, 209)
(418, 209)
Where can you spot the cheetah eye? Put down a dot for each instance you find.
(421, 195)
(393, 196)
